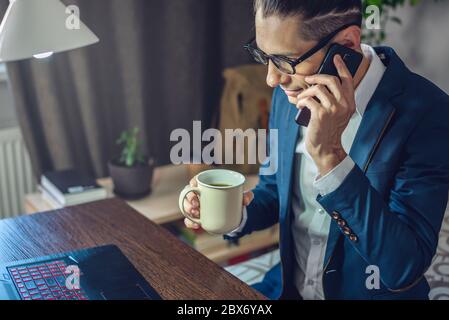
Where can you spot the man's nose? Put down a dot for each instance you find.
(274, 76)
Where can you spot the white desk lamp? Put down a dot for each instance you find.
(39, 28)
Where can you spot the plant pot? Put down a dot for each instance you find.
(131, 182)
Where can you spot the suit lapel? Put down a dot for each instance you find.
(376, 119)
(379, 112)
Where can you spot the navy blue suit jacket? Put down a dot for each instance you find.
(391, 204)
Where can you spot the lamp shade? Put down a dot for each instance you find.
(38, 27)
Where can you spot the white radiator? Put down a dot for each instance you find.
(16, 177)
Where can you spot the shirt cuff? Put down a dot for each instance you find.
(331, 181)
(242, 224)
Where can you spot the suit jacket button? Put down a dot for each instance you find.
(341, 222)
(353, 238)
(335, 215)
(347, 231)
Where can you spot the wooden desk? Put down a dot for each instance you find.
(161, 207)
(174, 269)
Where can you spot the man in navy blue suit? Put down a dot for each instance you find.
(361, 192)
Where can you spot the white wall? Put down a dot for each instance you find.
(422, 40)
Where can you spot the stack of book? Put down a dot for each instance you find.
(70, 187)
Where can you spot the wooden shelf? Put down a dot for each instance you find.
(224, 254)
(35, 203)
(253, 242)
(161, 206)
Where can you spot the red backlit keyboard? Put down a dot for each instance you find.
(44, 281)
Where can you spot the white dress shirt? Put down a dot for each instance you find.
(311, 222)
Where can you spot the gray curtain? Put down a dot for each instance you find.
(158, 66)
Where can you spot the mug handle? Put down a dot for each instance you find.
(182, 197)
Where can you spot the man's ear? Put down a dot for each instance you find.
(350, 37)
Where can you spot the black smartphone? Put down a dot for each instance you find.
(352, 59)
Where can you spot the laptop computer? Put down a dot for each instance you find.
(100, 273)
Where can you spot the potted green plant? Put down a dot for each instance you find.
(131, 172)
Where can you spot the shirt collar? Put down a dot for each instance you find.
(370, 81)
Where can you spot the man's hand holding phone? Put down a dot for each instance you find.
(332, 104)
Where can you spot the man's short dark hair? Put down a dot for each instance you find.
(318, 17)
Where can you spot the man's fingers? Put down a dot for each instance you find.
(191, 225)
(332, 83)
(193, 182)
(193, 199)
(248, 198)
(192, 206)
(193, 210)
(310, 103)
(319, 91)
(195, 213)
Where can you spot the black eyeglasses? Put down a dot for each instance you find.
(285, 64)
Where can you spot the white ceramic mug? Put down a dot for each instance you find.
(221, 200)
